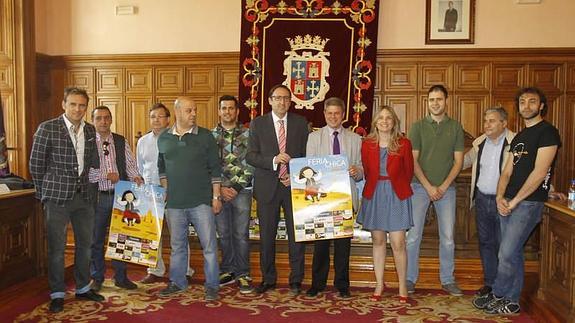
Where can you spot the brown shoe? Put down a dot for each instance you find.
(150, 279)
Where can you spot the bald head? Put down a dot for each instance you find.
(186, 112)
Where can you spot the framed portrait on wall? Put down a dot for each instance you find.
(450, 22)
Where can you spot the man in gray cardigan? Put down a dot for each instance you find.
(333, 139)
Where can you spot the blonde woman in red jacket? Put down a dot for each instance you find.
(386, 205)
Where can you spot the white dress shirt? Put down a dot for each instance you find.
(77, 141)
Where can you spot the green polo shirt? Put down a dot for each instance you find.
(436, 143)
(191, 164)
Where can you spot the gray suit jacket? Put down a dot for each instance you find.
(263, 147)
(54, 165)
(319, 144)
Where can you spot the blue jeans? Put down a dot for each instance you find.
(489, 234)
(81, 214)
(515, 230)
(203, 220)
(445, 209)
(103, 215)
(233, 225)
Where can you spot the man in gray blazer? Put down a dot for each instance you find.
(63, 151)
(275, 138)
(333, 139)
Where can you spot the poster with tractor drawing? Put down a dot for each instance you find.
(136, 224)
(321, 198)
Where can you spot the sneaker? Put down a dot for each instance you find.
(245, 285)
(482, 302)
(226, 278)
(452, 289)
(503, 306)
(410, 287)
(190, 273)
(170, 290)
(483, 291)
(211, 294)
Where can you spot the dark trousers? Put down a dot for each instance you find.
(81, 214)
(320, 265)
(489, 234)
(103, 215)
(269, 216)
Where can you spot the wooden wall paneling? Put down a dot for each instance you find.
(109, 80)
(568, 140)
(470, 112)
(139, 80)
(405, 106)
(435, 73)
(82, 78)
(137, 119)
(378, 80)
(6, 79)
(227, 80)
(508, 77)
(472, 77)
(507, 101)
(207, 115)
(169, 79)
(116, 105)
(6, 30)
(570, 87)
(200, 79)
(400, 77)
(561, 116)
(9, 111)
(547, 77)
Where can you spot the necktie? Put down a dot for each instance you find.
(282, 145)
(336, 149)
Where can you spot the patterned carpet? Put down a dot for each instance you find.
(143, 305)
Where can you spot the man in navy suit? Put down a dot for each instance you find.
(275, 138)
(63, 151)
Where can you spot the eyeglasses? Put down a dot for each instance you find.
(105, 145)
(281, 98)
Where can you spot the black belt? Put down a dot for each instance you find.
(109, 192)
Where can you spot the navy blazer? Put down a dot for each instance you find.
(54, 165)
(263, 147)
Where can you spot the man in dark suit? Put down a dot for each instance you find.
(63, 151)
(275, 138)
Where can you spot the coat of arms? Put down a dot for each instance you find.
(305, 72)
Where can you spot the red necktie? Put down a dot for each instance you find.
(282, 146)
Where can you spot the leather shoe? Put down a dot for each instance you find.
(294, 289)
(344, 293)
(91, 296)
(150, 279)
(264, 287)
(312, 292)
(126, 284)
(57, 305)
(96, 286)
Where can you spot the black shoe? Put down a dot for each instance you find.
(294, 289)
(96, 286)
(264, 287)
(483, 291)
(57, 305)
(344, 293)
(312, 292)
(485, 301)
(91, 296)
(126, 284)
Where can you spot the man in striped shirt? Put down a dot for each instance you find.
(117, 163)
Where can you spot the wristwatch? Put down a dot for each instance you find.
(217, 198)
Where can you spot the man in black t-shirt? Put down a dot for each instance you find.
(521, 192)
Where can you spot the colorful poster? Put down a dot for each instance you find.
(136, 224)
(321, 198)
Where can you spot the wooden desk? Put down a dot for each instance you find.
(22, 238)
(557, 264)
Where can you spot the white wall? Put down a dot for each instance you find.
(71, 27)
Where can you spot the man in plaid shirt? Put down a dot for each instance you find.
(63, 151)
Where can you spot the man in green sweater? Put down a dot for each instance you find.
(190, 170)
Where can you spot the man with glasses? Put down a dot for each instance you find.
(117, 163)
(275, 138)
(63, 150)
(147, 160)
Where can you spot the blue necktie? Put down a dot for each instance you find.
(336, 150)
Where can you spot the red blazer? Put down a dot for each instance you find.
(399, 168)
